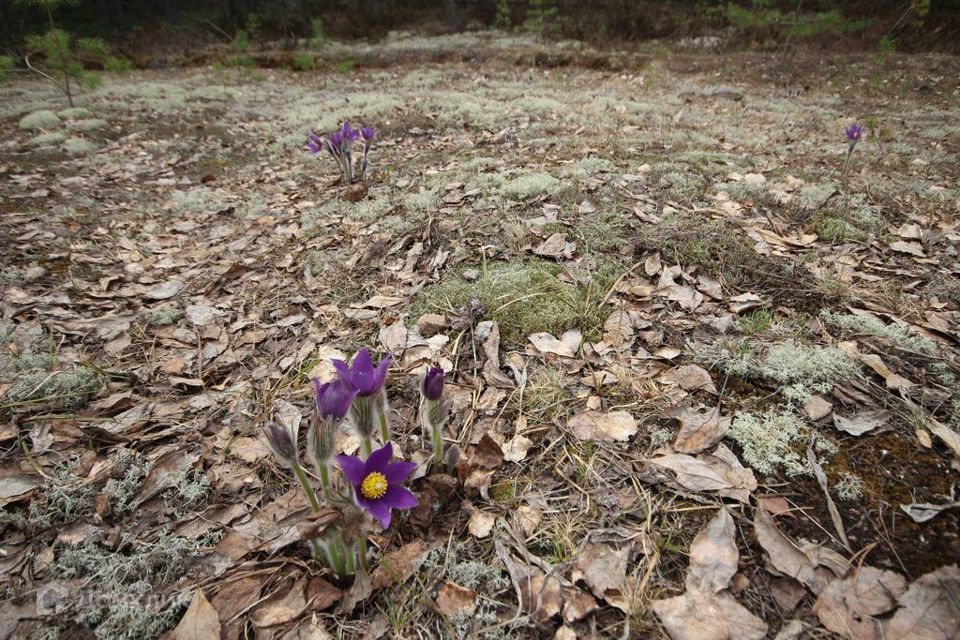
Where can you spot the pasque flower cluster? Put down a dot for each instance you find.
(370, 483)
(340, 144)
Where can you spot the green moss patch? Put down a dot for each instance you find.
(526, 297)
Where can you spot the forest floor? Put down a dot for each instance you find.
(703, 373)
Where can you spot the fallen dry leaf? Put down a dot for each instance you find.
(713, 555)
(481, 523)
(616, 426)
(930, 608)
(719, 472)
(602, 568)
(546, 343)
(283, 606)
(821, 477)
(703, 616)
(862, 422)
(699, 431)
(783, 554)
(924, 511)
(578, 605)
(515, 450)
(891, 379)
(200, 622)
(454, 600)
(690, 377)
(847, 606)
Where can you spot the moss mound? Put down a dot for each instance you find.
(526, 297)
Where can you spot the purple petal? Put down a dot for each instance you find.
(343, 369)
(380, 511)
(379, 460)
(353, 469)
(363, 375)
(334, 399)
(397, 472)
(398, 498)
(380, 375)
(433, 384)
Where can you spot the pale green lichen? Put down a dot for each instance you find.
(422, 202)
(530, 186)
(69, 388)
(79, 147)
(74, 113)
(838, 231)
(63, 498)
(197, 200)
(849, 486)
(43, 119)
(162, 315)
(119, 583)
(588, 167)
(814, 196)
(51, 137)
(367, 210)
(799, 370)
(91, 124)
(770, 441)
(896, 333)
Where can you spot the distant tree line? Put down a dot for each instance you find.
(120, 21)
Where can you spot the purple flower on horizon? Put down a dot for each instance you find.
(334, 398)
(368, 133)
(376, 483)
(433, 384)
(854, 132)
(315, 144)
(363, 376)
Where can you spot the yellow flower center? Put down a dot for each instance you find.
(373, 486)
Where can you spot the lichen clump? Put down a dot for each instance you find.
(775, 440)
(530, 186)
(43, 119)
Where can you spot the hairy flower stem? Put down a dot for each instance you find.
(324, 471)
(366, 446)
(305, 483)
(362, 553)
(437, 439)
(334, 549)
(384, 426)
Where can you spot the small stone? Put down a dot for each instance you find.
(355, 192)
(817, 408)
(34, 273)
(432, 323)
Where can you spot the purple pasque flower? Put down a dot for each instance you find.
(363, 376)
(335, 142)
(376, 482)
(315, 144)
(854, 133)
(349, 133)
(283, 441)
(334, 398)
(368, 134)
(432, 387)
